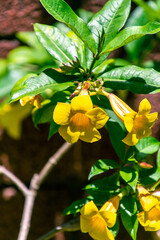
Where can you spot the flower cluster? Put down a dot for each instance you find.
(150, 217)
(96, 222)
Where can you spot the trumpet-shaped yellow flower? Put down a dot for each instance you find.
(139, 124)
(95, 222)
(33, 100)
(150, 217)
(79, 120)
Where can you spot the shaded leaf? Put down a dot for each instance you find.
(116, 133)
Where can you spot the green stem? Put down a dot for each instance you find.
(155, 185)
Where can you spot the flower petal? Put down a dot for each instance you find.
(68, 135)
(111, 205)
(128, 121)
(98, 117)
(109, 217)
(89, 209)
(152, 118)
(130, 139)
(98, 229)
(146, 199)
(62, 113)
(81, 104)
(90, 135)
(144, 107)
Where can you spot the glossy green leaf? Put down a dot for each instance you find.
(101, 166)
(132, 78)
(110, 19)
(76, 206)
(130, 34)
(62, 12)
(117, 133)
(130, 176)
(56, 42)
(128, 208)
(49, 79)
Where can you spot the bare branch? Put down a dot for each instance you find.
(36, 181)
(15, 180)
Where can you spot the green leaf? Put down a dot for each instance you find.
(116, 134)
(132, 78)
(62, 12)
(49, 79)
(76, 206)
(110, 19)
(147, 145)
(101, 166)
(130, 176)
(56, 42)
(104, 188)
(128, 208)
(53, 129)
(136, 50)
(130, 34)
(144, 147)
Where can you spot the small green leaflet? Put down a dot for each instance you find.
(101, 166)
(130, 176)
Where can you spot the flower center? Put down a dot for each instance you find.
(80, 121)
(139, 123)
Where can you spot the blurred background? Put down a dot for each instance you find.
(25, 149)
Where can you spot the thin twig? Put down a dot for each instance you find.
(36, 181)
(70, 226)
(15, 180)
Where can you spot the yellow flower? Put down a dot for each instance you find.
(79, 120)
(95, 221)
(137, 124)
(34, 100)
(150, 217)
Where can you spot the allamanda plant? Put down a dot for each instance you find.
(76, 99)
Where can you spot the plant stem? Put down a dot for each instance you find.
(14, 179)
(36, 181)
